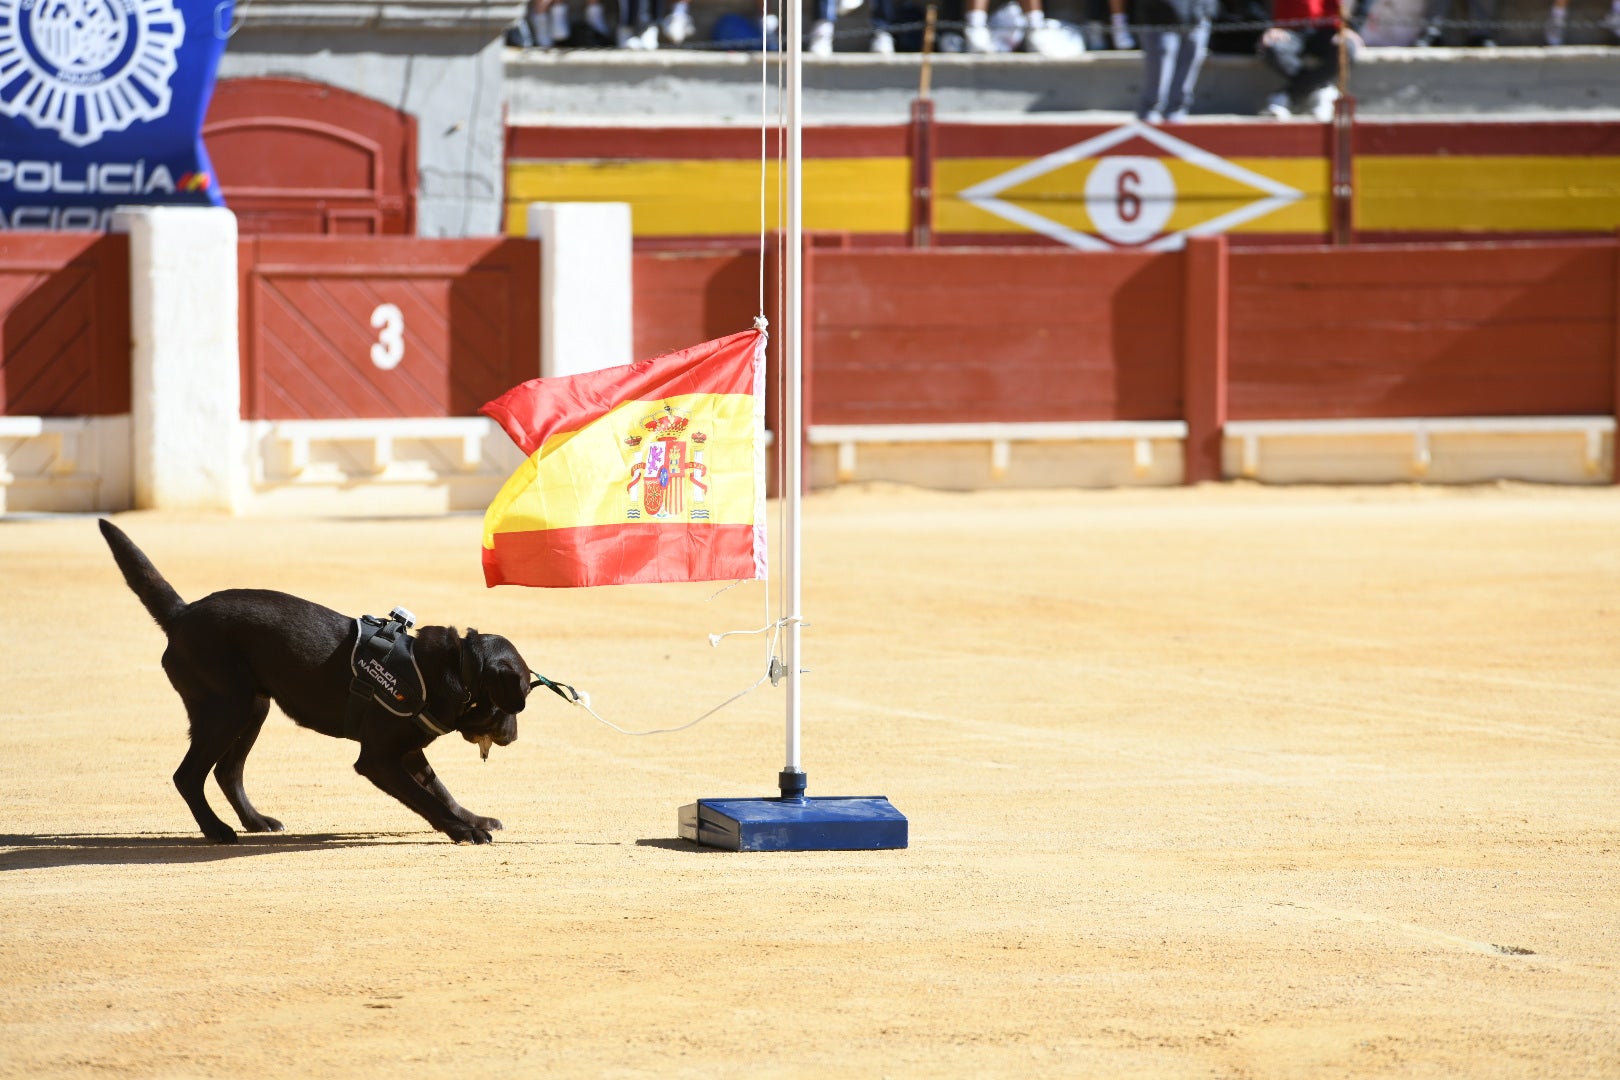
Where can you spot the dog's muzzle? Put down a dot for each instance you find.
(504, 734)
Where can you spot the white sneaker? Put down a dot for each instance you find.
(1322, 103)
(882, 42)
(847, 6)
(977, 39)
(638, 42)
(821, 38)
(678, 26)
(1277, 106)
(1055, 40)
(1009, 25)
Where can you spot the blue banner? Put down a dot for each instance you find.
(101, 106)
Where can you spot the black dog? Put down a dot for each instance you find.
(233, 652)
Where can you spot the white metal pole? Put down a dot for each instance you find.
(793, 401)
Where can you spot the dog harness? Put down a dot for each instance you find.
(385, 673)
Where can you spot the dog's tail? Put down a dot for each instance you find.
(149, 585)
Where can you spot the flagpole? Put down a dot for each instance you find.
(793, 822)
(792, 779)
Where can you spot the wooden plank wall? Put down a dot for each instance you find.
(64, 324)
(314, 314)
(1207, 334)
(1475, 330)
(901, 336)
(950, 336)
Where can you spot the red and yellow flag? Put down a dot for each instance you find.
(650, 472)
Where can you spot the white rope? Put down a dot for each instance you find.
(764, 67)
(583, 700)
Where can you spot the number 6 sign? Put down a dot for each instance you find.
(389, 348)
(1130, 199)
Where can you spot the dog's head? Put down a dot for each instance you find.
(495, 686)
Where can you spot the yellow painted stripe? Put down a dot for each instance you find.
(1553, 194)
(719, 198)
(871, 195)
(584, 477)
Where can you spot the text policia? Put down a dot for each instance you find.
(55, 179)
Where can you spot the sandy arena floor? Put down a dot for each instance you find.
(1226, 782)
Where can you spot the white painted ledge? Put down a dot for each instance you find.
(64, 464)
(1250, 433)
(1000, 437)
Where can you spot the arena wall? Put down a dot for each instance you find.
(359, 365)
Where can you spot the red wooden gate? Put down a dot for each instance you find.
(64, 324)
(336, 328)
(301, 157)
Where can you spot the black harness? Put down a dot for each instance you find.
(386, 675)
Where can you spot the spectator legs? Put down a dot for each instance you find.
(1184, 80)
(1171, 60)
(1307, 59)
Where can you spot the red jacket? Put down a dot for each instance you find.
(1294, 12)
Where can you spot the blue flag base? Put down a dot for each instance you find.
(866, 823)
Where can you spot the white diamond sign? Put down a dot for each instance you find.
(1129, 198)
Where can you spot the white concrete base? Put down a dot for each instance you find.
(1451, 450)
(971, 457)
(348, 468)
(78, 464)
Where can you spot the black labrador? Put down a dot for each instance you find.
(233, 652)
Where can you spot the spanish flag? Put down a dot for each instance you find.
(650, 472)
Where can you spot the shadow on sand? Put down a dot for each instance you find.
(676, 844)
(49, 850)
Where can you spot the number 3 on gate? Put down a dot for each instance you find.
(389, 348)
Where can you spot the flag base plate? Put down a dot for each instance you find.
(864, 823)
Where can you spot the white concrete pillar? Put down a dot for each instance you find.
(186, 394)
(585, 287)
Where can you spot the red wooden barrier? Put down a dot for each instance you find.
(64, 324)
(1207, 334)
(385, 327)
(684, 298)
(957, 336)
(1464, 330)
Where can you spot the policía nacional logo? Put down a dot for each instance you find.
(83, 68)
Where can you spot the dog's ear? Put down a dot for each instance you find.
(499, 680)
(507, 687)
